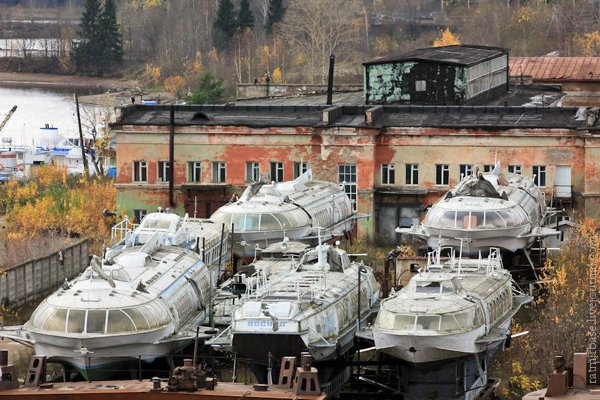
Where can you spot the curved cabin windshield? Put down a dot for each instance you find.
(252, 222)
(467, 220)
(459, 321)
(155, 223)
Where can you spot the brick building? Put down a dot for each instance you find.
(395, 160)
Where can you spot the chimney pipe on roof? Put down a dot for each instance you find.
(171, 156)
(330, 80)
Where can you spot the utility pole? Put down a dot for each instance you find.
(365, 11)
(86, 170)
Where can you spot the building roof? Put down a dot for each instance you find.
(456, 117)
(462, 54)
(556, 68)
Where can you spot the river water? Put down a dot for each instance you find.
(35, 108)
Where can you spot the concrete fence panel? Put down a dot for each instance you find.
(35, 279)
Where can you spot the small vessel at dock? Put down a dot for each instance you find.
(454, 308)
(496, 209)
(297, 209)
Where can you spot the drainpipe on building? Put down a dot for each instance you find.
(171, 156)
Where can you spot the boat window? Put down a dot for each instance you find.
(428, 322)
(138, 319)
(57, 321)
(119, 275)
(252, 222)
(41, 315)
(222, 217)
(508, 218)
(150, 314)
(238, 221)
(449, 323)
(151, 223)
(95, 321)
(478, 318)
(427, 288)
(464, 319)
(268, 222)
(404, 322)
(447, 220)
(119, 322)
(447, 287)
(385, 319)
(76, 321)
(493, 220)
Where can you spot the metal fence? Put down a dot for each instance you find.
(34, 279)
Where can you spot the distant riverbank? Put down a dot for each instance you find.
(50, 81)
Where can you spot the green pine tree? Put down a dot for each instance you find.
(209, 91)
(245, 18)
(89, 35)
(111, 36)
(275, 14)
(225, 24)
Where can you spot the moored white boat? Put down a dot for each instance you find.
(450, 310)
(496, 209)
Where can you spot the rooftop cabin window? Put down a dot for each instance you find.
(452, 219)
(434, 287)
(155, 223)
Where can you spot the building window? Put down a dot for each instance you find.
(420, 86)
(347, 175)
(139, 215)
(252, 171)
(412, 174)
(487, 168)
(277, 171)
(516, 169)
(300, 167)
(194, 171)
(465, 170)
(388, 174)
(442, 174)
(140, 171)
(219, 173)
(540, 175)
(164, 171)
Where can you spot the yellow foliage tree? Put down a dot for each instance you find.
(447, 38)
(145, 4)
(588, 43)
(175, 84)
(277, 75)
(52, 202)
(558, 321)
(152, 74)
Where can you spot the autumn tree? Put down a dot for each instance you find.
(275, 14)
(225, 24)
(447, 38)
(564, 306)
(315, 29)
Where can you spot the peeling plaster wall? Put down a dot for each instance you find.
(325, 148)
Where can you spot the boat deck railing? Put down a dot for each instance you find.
(459, 264)
(120, 230)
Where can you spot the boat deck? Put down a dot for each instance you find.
(142, 390)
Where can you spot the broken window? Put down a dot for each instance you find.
(218, 172)
(194, 171)
(539, 175)
(412, 174)
(347, 175)
(515, 169)
(466, 170)
(277, 171)
(252, 171)
(388, 174)
(164, 171)
(300, 167)
(442, 174)
(487, 168)
(140, 171)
